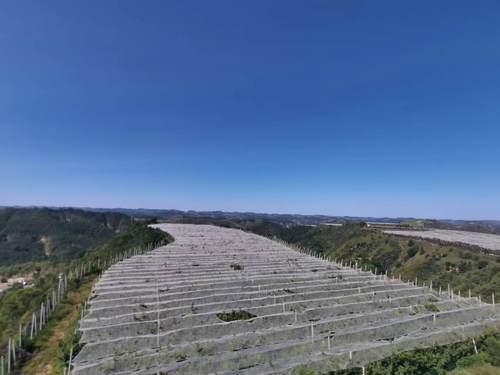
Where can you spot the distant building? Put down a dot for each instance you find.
(16, 281)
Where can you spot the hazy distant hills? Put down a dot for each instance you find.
(166, 214)
(41, 233)
(485, 226)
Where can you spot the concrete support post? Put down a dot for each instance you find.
(13, 347)
(8, 358)
(69, 361)
(20, 335)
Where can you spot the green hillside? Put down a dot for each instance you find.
(17, 304)
(33, 234)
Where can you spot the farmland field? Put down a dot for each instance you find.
(224, 301)
(484, 240)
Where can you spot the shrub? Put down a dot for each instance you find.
(482, 264)
(411, 252)
(431, 307)
(235, 315)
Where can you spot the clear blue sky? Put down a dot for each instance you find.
(380, 108)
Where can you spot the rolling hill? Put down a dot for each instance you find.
(32, 234)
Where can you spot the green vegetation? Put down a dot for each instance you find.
(235, 315)
(50, 351)
(456, 359)
(33, 234)
(431, 307)
(415, 224)
(17, 304)
(461, 267)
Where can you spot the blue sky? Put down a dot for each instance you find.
(381, 108)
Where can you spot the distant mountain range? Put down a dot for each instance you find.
(484, 226)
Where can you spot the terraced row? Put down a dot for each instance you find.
(221, 301)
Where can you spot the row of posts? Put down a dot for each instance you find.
(40, 317)
(354, 267)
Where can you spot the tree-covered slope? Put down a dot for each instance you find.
(17, 304)
(31, 234)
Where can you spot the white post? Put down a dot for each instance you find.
(13, 347)
(69, 362)
(329, 344)
(474, 343)
(33, 319)
(20, 335)
(41, 316)
(8, 358)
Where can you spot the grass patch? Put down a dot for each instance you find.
(456, 359)
(235, 315)
(431, 307)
